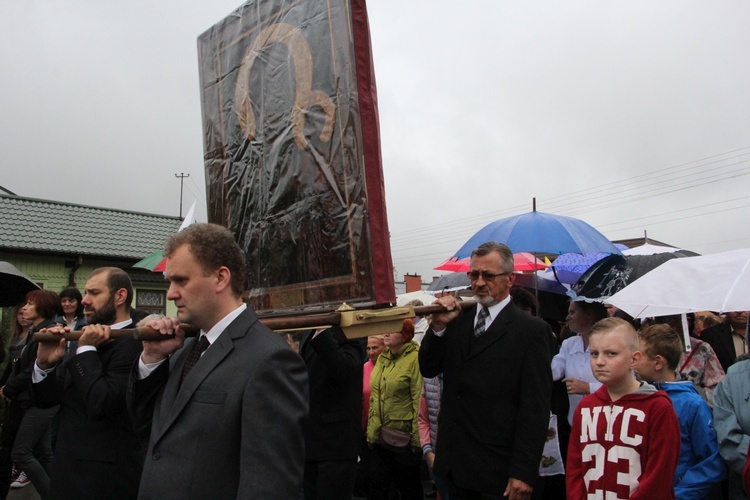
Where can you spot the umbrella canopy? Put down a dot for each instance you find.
(544, 282)
(155, 262)
(569, 267)
(523, 261)
(649, 249)
(450, 282)
(404, 298)
(539, 232)
(615, 272)
(14, 285)
(716, 282)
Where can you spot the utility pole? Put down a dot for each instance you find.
(181, 176)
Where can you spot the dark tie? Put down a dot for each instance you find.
(195, 355)
(481, 321)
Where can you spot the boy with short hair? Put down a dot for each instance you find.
(700, 465)
(625, 439)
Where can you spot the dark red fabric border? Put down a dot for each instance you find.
(382, 263)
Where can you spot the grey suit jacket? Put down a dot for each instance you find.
(234, 429)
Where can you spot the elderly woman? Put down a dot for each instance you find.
(396, 387)
(572, 363)
(375, 346)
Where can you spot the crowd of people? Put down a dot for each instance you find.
(493, 401)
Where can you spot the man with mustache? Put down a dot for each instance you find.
(97, 453)
(497, 384)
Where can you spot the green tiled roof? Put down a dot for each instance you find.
(28, 224)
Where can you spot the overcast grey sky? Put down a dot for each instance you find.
(631, 116)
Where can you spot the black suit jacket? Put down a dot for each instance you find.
(334, 367)
(495, 407)
(720, 338)
(97, 453)
(234, 427)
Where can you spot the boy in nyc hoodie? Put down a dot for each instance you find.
(625, 440)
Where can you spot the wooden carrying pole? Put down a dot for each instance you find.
(302, 322)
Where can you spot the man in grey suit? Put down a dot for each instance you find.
(226, 420)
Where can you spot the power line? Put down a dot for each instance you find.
(699, 173)
(447, 230)
(201, 194)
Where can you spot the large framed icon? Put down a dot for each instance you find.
(292, 152)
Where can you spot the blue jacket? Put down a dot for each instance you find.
(700, 465)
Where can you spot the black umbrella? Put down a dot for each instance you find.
(615, 272)
(14, 285)
(450, 282)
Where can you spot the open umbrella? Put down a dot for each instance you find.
(716, 282)
(404, 298)
(569, 267)
(14, 285)
(154, 262)
(449, 283)
(539, 232)
(615, 272)
(542, 282)
(649, 249)
(523, 261)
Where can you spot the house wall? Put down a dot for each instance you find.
(52, 273)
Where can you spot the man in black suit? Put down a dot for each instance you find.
(497, 385)
(728, 339)
(227, 411)
(334, 366)
(97, 453)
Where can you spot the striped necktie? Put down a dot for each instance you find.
(481, 325)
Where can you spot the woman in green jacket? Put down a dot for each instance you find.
(396, 386)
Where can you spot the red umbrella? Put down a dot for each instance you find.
(523, 261)
(155, 262)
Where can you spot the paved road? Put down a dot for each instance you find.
(25, 493)
(29, 493)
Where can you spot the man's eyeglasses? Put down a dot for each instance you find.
(486, 276)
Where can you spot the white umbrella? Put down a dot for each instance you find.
(649, 249)
(405, 298)
(420, 325)
(717, 282)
